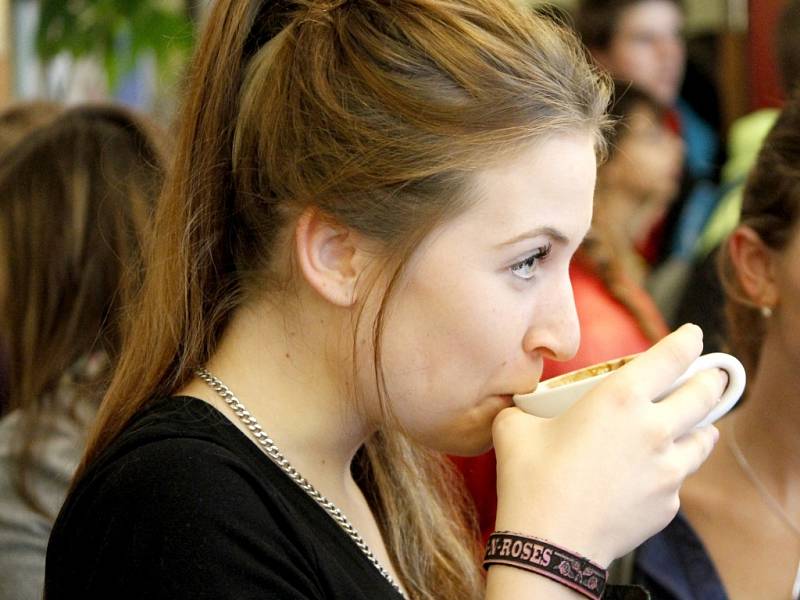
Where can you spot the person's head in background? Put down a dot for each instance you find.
(642, 172)
(75, 197)
(637, 40)
(17, 120)
(760, 264)
(635, 185)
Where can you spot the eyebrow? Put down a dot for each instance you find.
(525, 235)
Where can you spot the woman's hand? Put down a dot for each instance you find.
(605, 475)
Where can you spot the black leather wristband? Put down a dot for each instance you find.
(549, 560)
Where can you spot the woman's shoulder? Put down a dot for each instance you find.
(184, 505)
(176, 446)
(178, 496)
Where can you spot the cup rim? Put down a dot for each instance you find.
(602, 368)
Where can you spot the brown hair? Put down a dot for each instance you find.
(74, 197)
(18, 120)
(558, 15)
(596, 21)
(770, 207)
(376, 112)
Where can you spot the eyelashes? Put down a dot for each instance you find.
(526, 268)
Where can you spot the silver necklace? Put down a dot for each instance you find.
(271, 450)
(768, 498)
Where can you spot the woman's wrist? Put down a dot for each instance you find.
(546, 559)
(568, 532)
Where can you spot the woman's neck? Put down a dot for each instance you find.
(767, 424)
(754, 467)
(279, 367)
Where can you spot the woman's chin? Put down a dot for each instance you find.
(472, 435)
(466, 448)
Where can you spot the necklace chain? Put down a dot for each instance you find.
(768, 498)
(271, 450)
(750, 473)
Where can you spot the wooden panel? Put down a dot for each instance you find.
(734, 84)
(764, 82)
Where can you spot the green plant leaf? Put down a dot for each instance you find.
(115, 32)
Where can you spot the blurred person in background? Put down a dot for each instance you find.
(702, 300)
(617, 317)
(636, 185)
(75, 197)
(16, 121)
(737, 536)
(642, 41)
(639, 41)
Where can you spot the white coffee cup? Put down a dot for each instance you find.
(554, 396)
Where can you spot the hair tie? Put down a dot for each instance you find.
(271, 18)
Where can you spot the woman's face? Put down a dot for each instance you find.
(648, 159)
(488, 295)
(648, 48)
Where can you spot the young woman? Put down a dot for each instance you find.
(75, 195)
(365, 242)
(740, 518)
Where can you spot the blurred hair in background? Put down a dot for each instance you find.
(76, 195)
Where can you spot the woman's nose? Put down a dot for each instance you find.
(555, 331)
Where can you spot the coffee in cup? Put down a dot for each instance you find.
(555, 395)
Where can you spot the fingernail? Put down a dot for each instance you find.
(697, 327)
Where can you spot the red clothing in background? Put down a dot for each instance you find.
(608, 330)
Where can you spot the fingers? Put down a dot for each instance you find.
(651, 373)
(693, 449)
(684, 408)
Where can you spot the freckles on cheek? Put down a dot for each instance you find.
(491, 343)
(464, 326)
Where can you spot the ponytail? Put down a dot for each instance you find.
(190, 287)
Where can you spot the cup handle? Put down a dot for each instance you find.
(736, 382)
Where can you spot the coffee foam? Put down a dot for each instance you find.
(586, 372)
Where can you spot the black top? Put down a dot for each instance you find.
(184, 505)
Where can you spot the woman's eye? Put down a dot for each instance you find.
(526, 268)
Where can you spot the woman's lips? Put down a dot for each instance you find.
(508, 399)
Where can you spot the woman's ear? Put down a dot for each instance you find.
(329, 256)
(754, 265)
